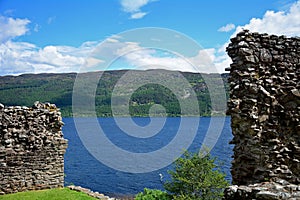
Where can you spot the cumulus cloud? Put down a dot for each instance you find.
(279, 23)
(134, 7)
(12, 28)
(148, 59)
(199, 63)
(216, 59)
(23, 57)
(138, 15)
(226, 28)
(91, 62)
(137, 57)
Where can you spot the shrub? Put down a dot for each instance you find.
(150, 194)
(196, 177)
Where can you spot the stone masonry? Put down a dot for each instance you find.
(265, 108)
(32, 148)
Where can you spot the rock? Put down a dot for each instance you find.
(295, 92)
(243, 44)
(250, 59)
(265, 55)
(1, 106)
(263, 118)
(260, 191)
(264, 91)
(267, 195)
(245, 51)
(90, 193)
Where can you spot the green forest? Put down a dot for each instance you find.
(25, 89)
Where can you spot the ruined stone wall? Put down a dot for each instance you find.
(32, 148)
(265, 107)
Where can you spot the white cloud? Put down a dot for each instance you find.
(134, 7)
(227, 28)
(146, 59)
(138, 57)
(138, 15)
(126, 47)
(112, 40)
(222, 60)
(23, 57)
(18, 57)
(91, 62)
(279, 23)
(12, 28)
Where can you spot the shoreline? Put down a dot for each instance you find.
(101, 195)
(144, 116)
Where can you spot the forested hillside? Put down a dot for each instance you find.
(57, 88)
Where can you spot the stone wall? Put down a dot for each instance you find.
(265, 107)
(32, 148)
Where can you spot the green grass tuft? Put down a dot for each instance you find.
(51, 194)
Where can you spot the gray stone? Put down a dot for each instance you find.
(90, 193)
(265, 55)
(243, 44)
(246, 51)
(284, 195)
(261, 88)
(267, 195)
(250, 58)
(295, 92)
(26, 161)
(296, 194)
(264, 106)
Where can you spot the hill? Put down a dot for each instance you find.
(58, 89)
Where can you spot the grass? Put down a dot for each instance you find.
(51, 194)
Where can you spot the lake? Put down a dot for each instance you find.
(83, 169)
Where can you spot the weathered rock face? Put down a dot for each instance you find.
(277, 189)
(32, 148)
(265, 107)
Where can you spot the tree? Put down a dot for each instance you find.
(196, 177)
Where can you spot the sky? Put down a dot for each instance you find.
(56, 36)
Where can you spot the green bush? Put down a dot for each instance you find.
(150, 194)
(196, 177)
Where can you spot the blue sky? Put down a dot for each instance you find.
(59, 35)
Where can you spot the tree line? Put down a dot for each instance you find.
(57, 88)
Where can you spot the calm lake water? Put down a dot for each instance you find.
(82, 169)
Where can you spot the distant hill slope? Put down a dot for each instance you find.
(57, 88)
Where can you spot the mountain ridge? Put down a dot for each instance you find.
(57, 88)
